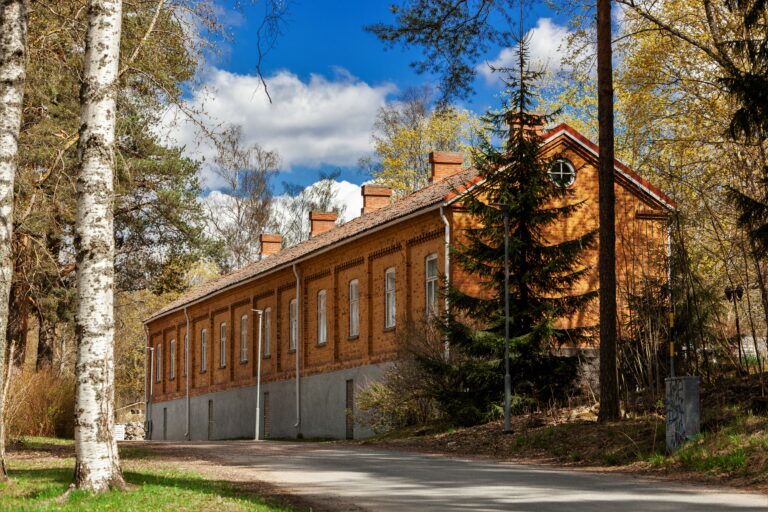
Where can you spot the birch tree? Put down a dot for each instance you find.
(13, 53)
(97, 463)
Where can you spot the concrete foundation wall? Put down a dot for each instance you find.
(231, 414)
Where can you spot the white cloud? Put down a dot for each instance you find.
(310, 123)
(546, 47)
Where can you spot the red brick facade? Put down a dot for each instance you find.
(396, 236)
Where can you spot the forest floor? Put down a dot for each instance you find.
(731, 450)
(40, 471)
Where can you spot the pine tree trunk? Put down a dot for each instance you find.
(46, 337)
(13, 55)
(609, 388)
(97, 466)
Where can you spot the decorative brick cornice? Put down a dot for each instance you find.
(425, 237)
(385, 251)
(349, 264)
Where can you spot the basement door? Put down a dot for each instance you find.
(350, 409)
(210, 419)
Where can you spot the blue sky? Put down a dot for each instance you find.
(328, 77)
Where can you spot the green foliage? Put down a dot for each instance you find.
(406, 132)
(158, 219)
(541, 273)
(453, 35)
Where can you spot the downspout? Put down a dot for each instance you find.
(447, 239)
(298, 344)
(187, 369)
(147, 384)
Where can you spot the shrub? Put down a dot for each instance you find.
(40, 403)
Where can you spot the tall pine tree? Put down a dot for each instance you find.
(543, 268)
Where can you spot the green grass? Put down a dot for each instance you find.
(739, 448)
(39, 484)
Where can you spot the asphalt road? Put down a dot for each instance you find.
(396, 481)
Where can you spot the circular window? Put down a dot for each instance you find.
(562, 173)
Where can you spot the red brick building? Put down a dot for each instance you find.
(333, 305)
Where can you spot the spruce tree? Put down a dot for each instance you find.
(543, 268)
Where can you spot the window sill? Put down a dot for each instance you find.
(323, 344)
(291, 350)
(203, 371)
(353, 338)
(267, 356)
(243, 363)
(389, 329)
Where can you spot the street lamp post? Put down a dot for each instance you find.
(734, 294)
(258, 377)
(507, 377)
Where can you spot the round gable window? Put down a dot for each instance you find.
(562, 173)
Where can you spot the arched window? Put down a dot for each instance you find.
(203, 350)
(322, 327)
(222, 345)
(389, 298)
(267, 335)
(354, 308)
(293, 321)
(244, 338)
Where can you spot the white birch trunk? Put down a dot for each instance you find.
(97, 464)
(13, 56)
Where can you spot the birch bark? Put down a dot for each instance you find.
(13, 56)
(97, 463)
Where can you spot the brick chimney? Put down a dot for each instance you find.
(375, 197)
(531, 123)
(321, 222)
(270, 244)
(444, 164)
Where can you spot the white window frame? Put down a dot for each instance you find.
(267, 333)
(431, 284)
(203, 350)
(159, 362)
(293, 324)
(223, 345)
(558, 175)
(390, 298)
(172, 357)
(244, 339)
(322, 323)
(354, 308)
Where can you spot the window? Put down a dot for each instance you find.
(244, 338)
(203, 350)
(354, 308)
(431, 285)
(222, 345)
(172, 363)
(267, 335)
(293, 321)
(322, 327)
(159, 362)
(186, 354)
(389, 298)
(562, 173)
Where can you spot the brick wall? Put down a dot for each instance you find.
(641, 255)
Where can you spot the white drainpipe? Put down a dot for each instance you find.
(298, 344)
(187, 369)
(447, 238)
(147, 381)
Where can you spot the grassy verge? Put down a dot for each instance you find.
(733, 447)
(40, 473)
